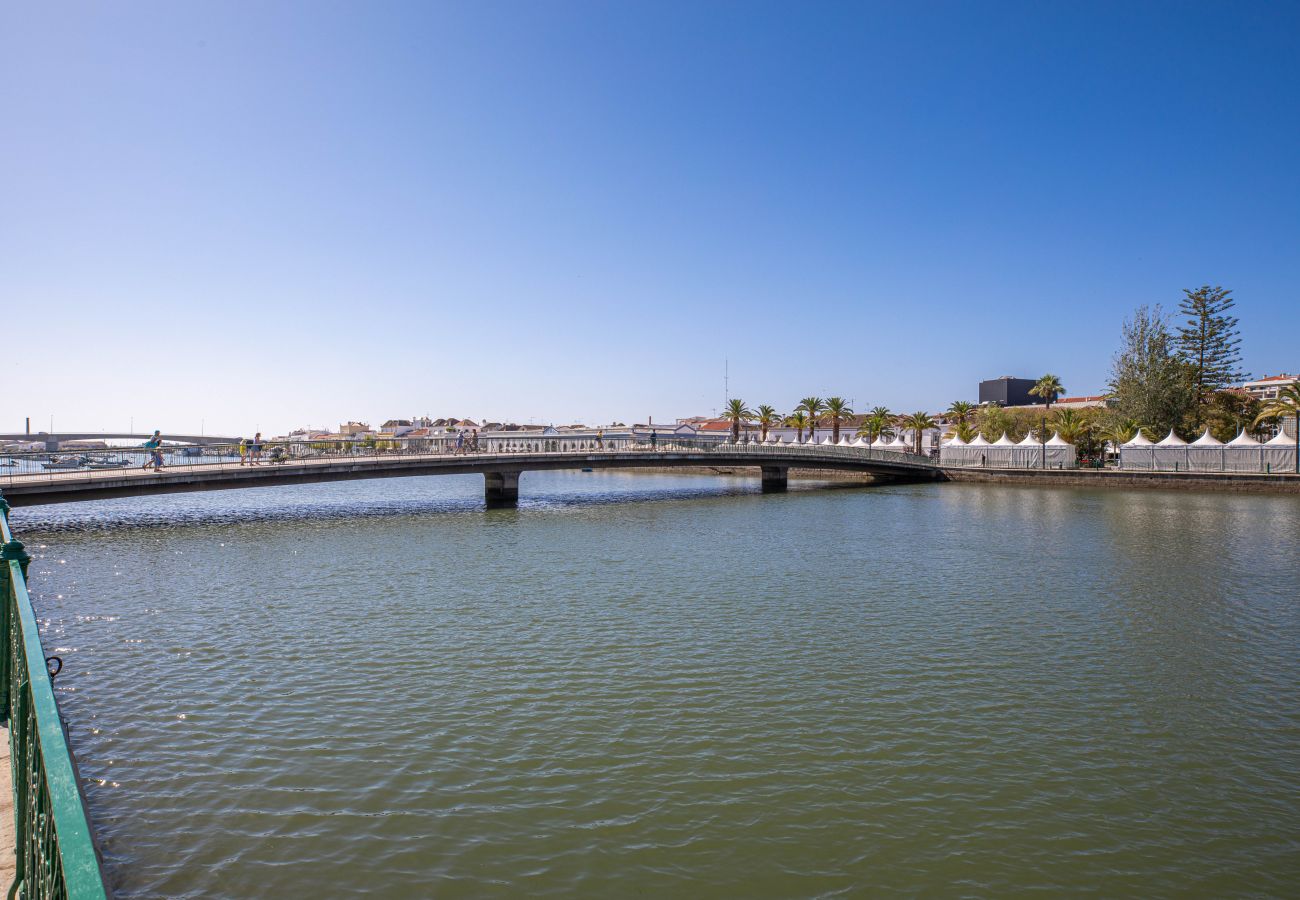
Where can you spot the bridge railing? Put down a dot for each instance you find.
(83, 463)
(55, 851)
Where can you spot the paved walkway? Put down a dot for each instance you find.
(8, 840)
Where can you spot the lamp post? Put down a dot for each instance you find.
(1042, 438)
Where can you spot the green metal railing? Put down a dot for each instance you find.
(55, 849)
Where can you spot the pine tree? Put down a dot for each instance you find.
(1209, 343)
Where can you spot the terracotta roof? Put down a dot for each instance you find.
(1274, 378)
(715, 426)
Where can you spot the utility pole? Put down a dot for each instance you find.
(726, 382)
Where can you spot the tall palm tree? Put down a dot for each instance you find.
(798, 420)
(918, 422)
(878, 424)
(960, 412)
(766, 417)
(814, 407)
(1049, 388)
(1285, 405)
(837, 408)
(737, 412)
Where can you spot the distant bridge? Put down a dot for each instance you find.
(500, 471)
(51, 439)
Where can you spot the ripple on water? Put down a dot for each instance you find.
(671, 685)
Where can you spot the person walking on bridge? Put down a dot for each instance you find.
(255, 449)
(154, 446)
(243, 451)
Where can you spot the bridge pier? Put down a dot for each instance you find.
(500, 489)
(774, 479)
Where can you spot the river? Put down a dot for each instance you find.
(671, 685)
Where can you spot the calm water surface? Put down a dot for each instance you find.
(641, 685)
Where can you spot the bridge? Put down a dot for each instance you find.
(300, 463)
(52, 439)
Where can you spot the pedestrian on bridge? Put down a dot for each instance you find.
(154, 446)
(255, 449)
(243, 451)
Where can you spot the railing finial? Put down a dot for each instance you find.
(14, 552)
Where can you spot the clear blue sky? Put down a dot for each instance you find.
(281, 214)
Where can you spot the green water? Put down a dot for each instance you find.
(655, 686)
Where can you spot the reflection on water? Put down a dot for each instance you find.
(671, 685)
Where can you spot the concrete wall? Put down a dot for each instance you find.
(1114, 478)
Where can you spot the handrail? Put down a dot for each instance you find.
(55, 849)
(29, 467)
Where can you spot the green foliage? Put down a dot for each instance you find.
(766, 417)
(736, 413)
(878, 424)
(837, 408)
(797, 420)
(813, 407)
(960, 411)
(1049, 388)
(1286, 405)
(1209, 343)
(1226, 413)
(917, 422)
(1151, 384)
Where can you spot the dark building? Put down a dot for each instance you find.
(1008, 391)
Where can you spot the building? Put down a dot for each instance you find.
(1074, 402)
(1008, 391)
(1267, 388)
(354, 429)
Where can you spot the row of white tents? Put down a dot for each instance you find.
(1005, 453)
(1206, 454)
(900, 444)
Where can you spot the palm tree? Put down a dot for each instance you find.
(837, 408)
(965, 432)
(1285, 405)
(1049, 388)
(766, 417)
(737, 412)
(918, 422)
(814, 407)
(878, 424)
(1070, 425)
(1121, 432)
(797, 419)
(960, 412)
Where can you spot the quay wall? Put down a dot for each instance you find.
(1118, 478)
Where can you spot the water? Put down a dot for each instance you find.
(655, 685)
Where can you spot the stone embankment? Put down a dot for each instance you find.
(1128, 479)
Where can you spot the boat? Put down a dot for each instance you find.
(108, 464)
(66, 462)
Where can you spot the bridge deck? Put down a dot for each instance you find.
(64, 486)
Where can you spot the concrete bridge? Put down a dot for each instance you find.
(500, 471)
(52, 439)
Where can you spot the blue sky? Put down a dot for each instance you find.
(277, 214)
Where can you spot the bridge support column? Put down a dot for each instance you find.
(501, 489)
(774, 479)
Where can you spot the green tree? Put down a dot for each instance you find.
(1049, 388)
(1228, 412)
(1149, 381)
(964, 431)
(1071, 425)
(814, 407)
(878, 424)
(960, 412)
(799, 421)
(737, 413)
(917, 422)
(1285, 405)
(837, 408)
(766, 417)
(1120, 431)
(1209, 343)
